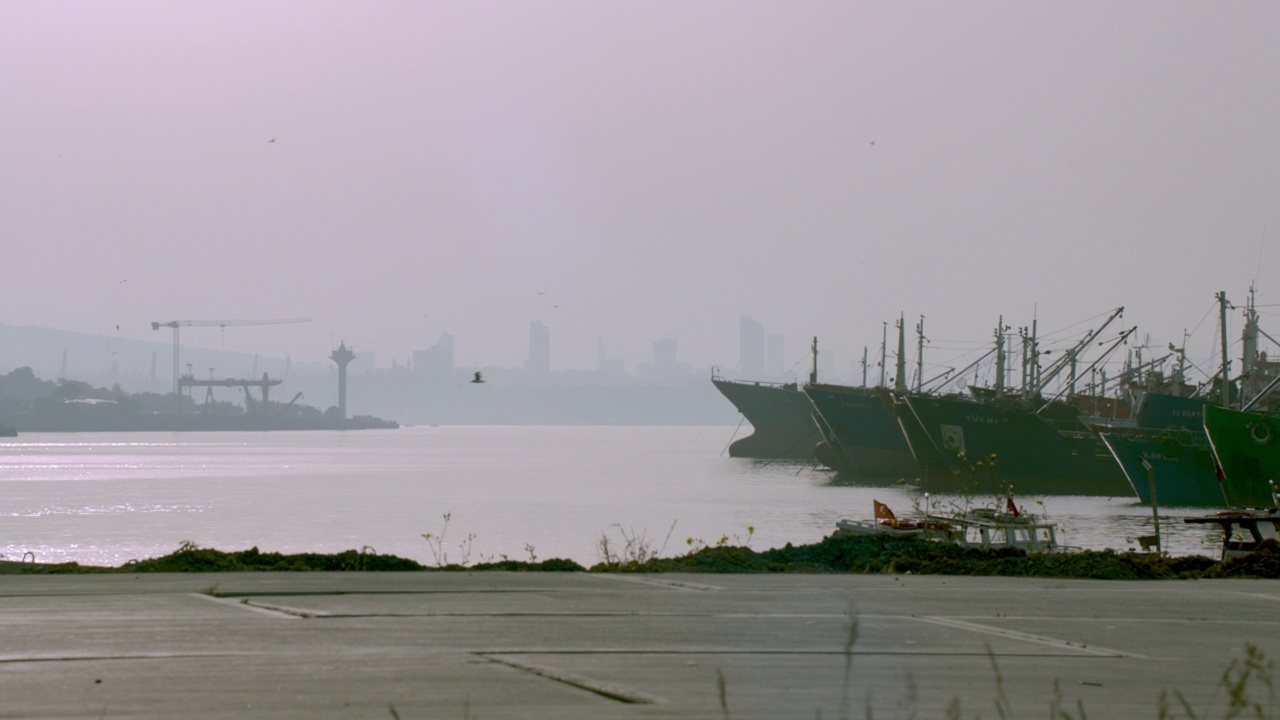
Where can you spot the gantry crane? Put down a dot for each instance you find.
(175, 324)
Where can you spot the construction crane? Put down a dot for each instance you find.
(175, 324)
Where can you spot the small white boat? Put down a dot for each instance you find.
(886, 523)
(982, 527)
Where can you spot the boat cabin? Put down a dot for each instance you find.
(988, 528)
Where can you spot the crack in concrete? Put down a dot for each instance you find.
(603, 689)
(1027, 637)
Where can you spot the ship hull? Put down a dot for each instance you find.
(781, 418)
(862, 436)
(1029, 452)
(1161, 410)
(1247, 449)
(1181, 466)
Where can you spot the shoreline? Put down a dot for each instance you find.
(835, 554)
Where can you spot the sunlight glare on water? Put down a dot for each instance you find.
(513, 491)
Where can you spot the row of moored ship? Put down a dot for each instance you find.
(1154, 438)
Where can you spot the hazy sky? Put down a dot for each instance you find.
(637, 170)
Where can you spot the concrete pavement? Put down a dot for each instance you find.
(573, 645)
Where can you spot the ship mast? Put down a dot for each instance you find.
(900, 367)
(1248, 358)
(884, 341)
(1226, 362)
(1000, 356)
(920, 355)
(1069, 358)
(1035, 353)
(813, 374)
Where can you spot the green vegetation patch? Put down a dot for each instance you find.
(884, 554)
(834, 554)
(190, 558)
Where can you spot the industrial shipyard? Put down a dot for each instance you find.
(29, 404)
(60, 381)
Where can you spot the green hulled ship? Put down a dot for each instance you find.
(1247, 450)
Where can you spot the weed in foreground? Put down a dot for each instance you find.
(439, 550)
(850, 639)
(1234, 682)
(636, 548)
(723, 692)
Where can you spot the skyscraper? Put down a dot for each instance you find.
(750, 349)
(436, 361)
(774, 358)
(539, 360)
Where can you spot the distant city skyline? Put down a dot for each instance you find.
(635, 172)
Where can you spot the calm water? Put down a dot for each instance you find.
(104, 499)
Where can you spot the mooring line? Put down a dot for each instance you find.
(734, 435)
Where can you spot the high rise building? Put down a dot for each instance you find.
(539, 360)
(774, 357)
(665, 366)
(750, 349)
(604, 364)
(436, 361)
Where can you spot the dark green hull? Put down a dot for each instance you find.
(781, 419)
(1181, 465)
(1247, 448)
(862, 436)
(1031, 453)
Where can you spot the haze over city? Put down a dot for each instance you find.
(635, 172)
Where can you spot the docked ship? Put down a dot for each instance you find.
(781, 419)
(989, 445)
(783, 423)
(1169, 450)
(1244, 441)
(1247, 451)
(1164, 453)
(996, 439)
(1175, 465)
(862, 436)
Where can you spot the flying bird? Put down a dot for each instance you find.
(477, 378)
(273, 140)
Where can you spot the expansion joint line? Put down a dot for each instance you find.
(603, 689)
(1027, 637)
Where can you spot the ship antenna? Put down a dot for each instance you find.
(813, 374)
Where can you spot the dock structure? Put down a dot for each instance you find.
(265, 384)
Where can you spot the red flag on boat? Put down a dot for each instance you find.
(883, 512)
(1013, 509)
